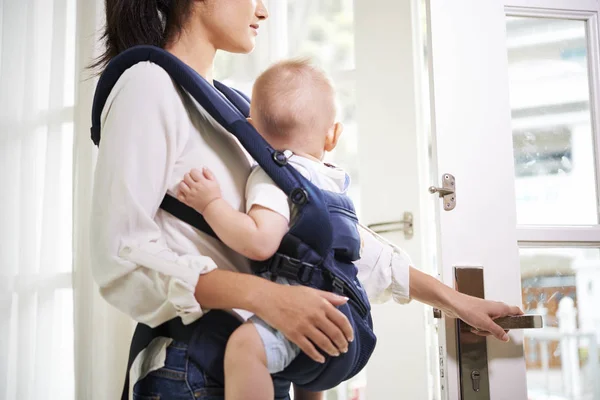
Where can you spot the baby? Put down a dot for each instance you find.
(293, 108)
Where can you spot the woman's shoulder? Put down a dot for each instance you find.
(145, 86)
(147, 74)
(145, 80)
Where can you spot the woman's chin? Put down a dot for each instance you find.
(244, 47)
(248, 49)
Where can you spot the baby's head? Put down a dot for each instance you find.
(293, 108)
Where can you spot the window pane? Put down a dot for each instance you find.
(552, 131)
(323, 31)
(563, 285)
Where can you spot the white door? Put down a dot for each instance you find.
(514, 89)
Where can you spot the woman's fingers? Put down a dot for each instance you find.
(514, 310)
(309, 319)
(322, 341)
(333, 298)
(495, 330)
(344, 332)
(482, 333)
(309, 349)
(334, 329)
(337, 317)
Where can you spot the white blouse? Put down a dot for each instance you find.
(147, 262)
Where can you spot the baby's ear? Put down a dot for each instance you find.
(333, 136)
(250, 121)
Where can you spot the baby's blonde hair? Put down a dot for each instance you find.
(292, 97)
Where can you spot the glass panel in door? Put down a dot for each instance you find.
(551, 121)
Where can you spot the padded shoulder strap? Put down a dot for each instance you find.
(230, 114)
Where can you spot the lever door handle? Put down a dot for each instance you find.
(507, 323)
(520, 322)
(406, 225)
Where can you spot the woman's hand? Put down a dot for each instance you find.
(480, 314)
(308, 317)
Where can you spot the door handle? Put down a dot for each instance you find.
(471, 348)
(471, 283)
(520, 322)
(406, 225)
(507, 323)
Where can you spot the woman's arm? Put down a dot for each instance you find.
(386, 271)
(383, 269)
(306, 316)
(478, 313)
(135, 270)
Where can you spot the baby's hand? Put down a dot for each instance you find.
(199, 189)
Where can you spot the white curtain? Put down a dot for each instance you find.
(36, 108)
(58, 339)
(102, 334)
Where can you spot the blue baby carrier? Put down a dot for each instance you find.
(318, 251)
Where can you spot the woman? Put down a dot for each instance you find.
(156, 268)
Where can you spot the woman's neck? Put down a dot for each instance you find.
(196, 51)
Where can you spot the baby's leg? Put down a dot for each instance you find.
(246, 373)
(302, 394)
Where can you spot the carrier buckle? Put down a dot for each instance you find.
(291, 268)
(337, 285)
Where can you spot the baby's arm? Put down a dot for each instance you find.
(255, 235)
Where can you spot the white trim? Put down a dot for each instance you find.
(543, 37)
(547, 121)
(593, 35)
(568, 5)
(580, 15)
(552, 235)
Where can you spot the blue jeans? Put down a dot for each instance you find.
(179, 379)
